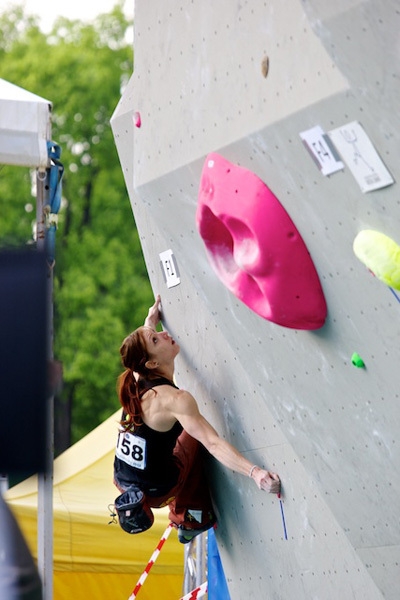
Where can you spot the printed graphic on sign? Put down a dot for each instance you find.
(359, 154)
(169, 268)
(321, 150)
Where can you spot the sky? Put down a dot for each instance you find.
(49, 10)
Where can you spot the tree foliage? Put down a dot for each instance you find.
(101, 288)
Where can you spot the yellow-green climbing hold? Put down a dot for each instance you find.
(380, 254)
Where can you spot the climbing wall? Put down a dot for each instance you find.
(244, 80)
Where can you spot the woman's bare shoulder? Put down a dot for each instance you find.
(157, 408)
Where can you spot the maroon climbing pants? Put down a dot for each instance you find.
(189, 501)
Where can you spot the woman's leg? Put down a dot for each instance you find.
(192, 506)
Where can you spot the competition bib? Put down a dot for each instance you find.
(132, 450)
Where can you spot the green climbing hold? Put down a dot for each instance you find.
(357, 360)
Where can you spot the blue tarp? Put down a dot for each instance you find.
(217, 586)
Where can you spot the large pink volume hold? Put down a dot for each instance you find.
(255, 248)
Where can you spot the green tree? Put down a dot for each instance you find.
(101, 288)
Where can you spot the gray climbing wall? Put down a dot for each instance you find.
(290, 400)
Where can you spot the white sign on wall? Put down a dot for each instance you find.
(322, 152)
(359, 154)
(169, 268)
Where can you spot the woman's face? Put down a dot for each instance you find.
(160, 346)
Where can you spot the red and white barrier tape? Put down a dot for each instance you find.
(199, 592)
(151, 562)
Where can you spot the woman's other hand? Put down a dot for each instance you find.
(154, 314)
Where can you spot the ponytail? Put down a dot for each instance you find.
(134, 357)
(129, 397)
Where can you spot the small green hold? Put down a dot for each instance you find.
(357, 360)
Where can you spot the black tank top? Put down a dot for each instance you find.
(144, 456)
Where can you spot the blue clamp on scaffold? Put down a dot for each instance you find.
(54, 179)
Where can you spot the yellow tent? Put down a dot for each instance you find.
(92, 558)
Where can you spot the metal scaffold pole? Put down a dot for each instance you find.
(45, 479)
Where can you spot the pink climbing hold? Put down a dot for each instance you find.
(137, 120)
(255, 248)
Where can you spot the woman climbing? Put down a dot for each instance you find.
(163, 437)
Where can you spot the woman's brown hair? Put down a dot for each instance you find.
(134, 357)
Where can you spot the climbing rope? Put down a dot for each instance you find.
(283, 517)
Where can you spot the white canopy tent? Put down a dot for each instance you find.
(25, 127)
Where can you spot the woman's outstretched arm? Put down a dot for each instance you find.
(186, 411)
(154, 315)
